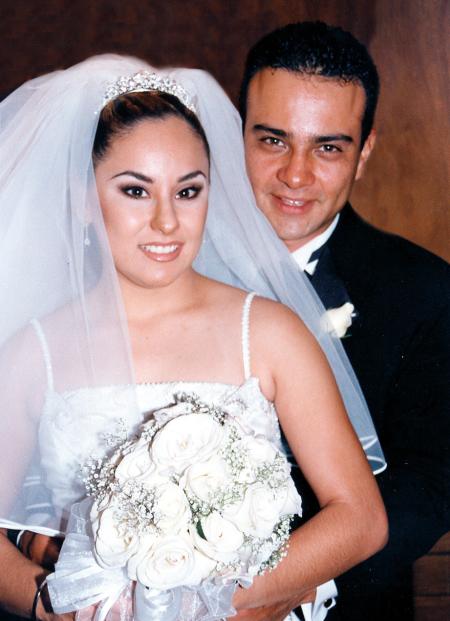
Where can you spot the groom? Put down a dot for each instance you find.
(308, 101)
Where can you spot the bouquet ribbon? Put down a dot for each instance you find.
(79, 581)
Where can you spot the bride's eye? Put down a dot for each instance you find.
(189, 193)
(135, 191)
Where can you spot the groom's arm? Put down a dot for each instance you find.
(275, 612)
(416, 440)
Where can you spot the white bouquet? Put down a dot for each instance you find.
(189, 508)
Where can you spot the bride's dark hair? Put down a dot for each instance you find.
(125, 111)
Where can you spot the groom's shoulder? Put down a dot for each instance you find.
(392, 256)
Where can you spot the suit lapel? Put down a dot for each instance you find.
(343, 271)
(349, 246)
(328, 285)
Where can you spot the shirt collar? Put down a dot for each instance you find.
(303, 254)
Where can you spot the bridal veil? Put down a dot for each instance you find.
(56, 266)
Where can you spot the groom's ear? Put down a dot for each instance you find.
(365, 153)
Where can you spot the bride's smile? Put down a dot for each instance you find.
(162, 252)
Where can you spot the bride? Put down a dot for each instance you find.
(109, 308)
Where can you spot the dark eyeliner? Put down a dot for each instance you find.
(127, 190)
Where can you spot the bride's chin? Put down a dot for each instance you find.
(161, 279)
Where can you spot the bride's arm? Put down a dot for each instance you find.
(19, 580)
(23, 372)
(352, 523)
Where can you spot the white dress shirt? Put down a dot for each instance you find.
(303, 254)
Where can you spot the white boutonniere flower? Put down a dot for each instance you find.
(339, 319)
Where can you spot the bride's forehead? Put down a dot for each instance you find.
(164, 126)
(151, 115)
(171, 136)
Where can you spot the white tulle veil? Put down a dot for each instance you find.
(49, 209)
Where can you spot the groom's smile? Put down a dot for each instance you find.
(292, 205)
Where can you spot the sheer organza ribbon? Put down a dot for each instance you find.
(79, 582)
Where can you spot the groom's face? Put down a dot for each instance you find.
(302, 142)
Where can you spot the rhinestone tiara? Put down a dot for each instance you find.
(147, 81)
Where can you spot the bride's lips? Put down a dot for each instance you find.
(162, 252)
(292, 206)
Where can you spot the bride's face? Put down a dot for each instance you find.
(153, 188)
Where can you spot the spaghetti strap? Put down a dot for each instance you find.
(45, 352)
(246, 334)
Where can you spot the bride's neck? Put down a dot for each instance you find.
(142, 303)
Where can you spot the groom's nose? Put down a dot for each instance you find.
(296, 169)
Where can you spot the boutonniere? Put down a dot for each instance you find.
(339, 319)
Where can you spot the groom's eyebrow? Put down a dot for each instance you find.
(270, 130)
(333, 138)
(317, 139)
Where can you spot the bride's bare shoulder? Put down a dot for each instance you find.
(269, 316)
(222, 294)
(266, 316)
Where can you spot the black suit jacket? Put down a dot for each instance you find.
(399, 346)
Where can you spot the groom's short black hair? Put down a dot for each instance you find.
(315, 48)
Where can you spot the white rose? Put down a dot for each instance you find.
(258, 512)
(172, 508)
(259, 450)
(136, 464)
(205, 478)
(113, 543)
(221, 541)
(146, 543)
(292, 504)
(339, 319)
(204, 567)
(171, 562)
(184, 440)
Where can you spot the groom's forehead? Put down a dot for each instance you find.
(281, 91)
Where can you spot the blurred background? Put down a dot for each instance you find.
(406, 186)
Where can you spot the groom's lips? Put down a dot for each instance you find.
(292, 206)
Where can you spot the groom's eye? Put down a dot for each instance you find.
(272, 141)
(330, 148)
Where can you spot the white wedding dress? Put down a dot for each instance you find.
(67, 445)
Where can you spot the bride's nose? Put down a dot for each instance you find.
(164, 217)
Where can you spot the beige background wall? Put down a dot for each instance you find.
(407, 186)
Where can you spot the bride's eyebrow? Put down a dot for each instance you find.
(134, 174)
(141, 177)
(191, 175)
